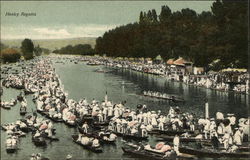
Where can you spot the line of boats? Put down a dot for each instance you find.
(99, 131)
(164, 96)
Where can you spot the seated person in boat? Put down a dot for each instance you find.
(238, 136)
(11, 141)
(112, 137)
(227, 140)
(37, 134)
(95, 143)
(233, 149)
(85, 140)
(57, 115)
(149, 127)
(134, 131)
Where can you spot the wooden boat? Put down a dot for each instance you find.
(4, 127)
(182, 139)
(11, 148)
(53, 138)
(172, 98)
(39, 141)
(70, 124)
(148, 154)
(106, 123)
(245, 147)
(93, 64)
(133, 137)
(43, 113)
(88, 147)
(170, 132)
(145, 154)
(22, 111)
(25, 129)
(54, 119)
(99, 125)
(19, 134)
(5, 106)
(100, 138)
(43, 158)
(20, 98)
(26, 92)
(87, 117)
(202, 152)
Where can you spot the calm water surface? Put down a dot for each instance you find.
(80, 81)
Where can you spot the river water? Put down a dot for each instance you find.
(81, 80)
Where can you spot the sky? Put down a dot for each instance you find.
(71, 19)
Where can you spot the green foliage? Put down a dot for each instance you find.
(38, 51)
(202, 38)
(45, 51)
(80, 49)
(10, 55)
(3, 46)
(27, 49)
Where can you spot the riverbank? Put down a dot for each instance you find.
(228, 81)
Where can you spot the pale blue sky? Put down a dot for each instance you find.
(69, 19)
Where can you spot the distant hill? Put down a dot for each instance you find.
(52, 44)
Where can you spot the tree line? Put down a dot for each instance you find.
(218, 35)
(27, 50)
(79, 49)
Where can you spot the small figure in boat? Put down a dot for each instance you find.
(85, 127)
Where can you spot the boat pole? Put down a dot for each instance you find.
(106, 98)
(206, 110)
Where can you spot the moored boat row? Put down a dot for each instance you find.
(53, 103)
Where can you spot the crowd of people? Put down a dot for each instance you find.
(214, 80)
(50, 97)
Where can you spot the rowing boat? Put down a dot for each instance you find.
(182, 139)
(172, 98)
(39, 141)
(88, 147)
(170, 132)
(202, 152)
(22, 111)
(149, 154)
(133, 137)
(11, 148)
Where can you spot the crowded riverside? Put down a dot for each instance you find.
(180, 70)
(48, 118)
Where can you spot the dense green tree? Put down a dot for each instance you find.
(79, 49)
(202, 38)
(141, 18)
(154, 16)
(165, 14)
(38, 51)
(27, 49)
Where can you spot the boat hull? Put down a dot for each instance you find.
(213, 154)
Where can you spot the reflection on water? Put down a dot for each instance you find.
(80, 81)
